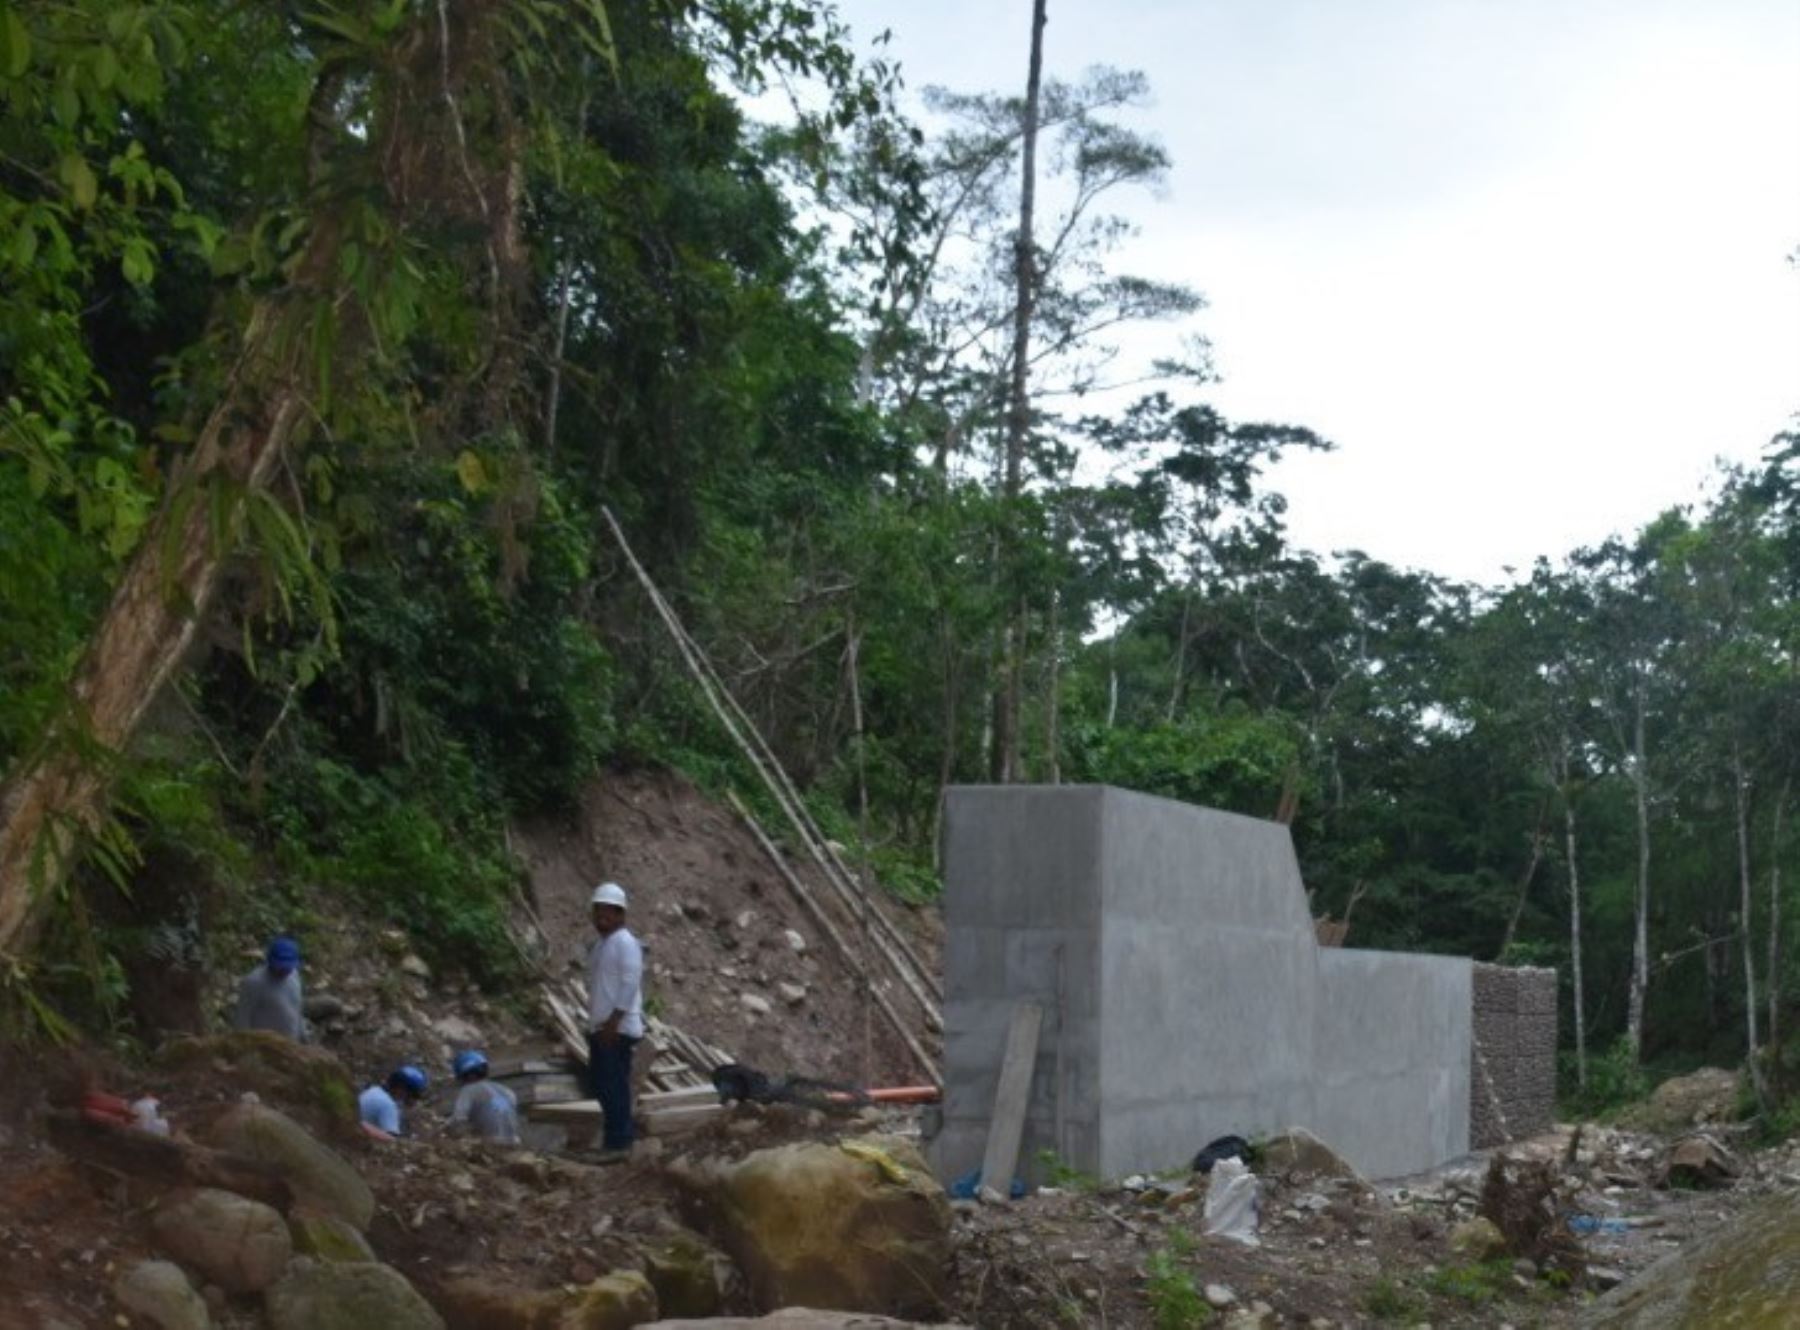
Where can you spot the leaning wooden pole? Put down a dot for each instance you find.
(817, 914)
(745, 734)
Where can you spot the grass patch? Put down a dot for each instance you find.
(1476, 1285)
(1388, 1300)
(1175, 1301)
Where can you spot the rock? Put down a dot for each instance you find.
(1217, 1295)
(796, 943)
(800, 1318)
(857, 1226)
(687, 1277)
(307, 1081)
(1604, 1277)
(455, 1030)
(1299, 1153)
(324, 1295)
(745, 919)
(161, 1293)
(1478, 1240)
(613, 1302)
(414, 964)
(319, 1176)
(322, 1007)
(755, 1004)
(1697, 1162)
(1742, 1273)
(1257, 1316)
(792, 994)
(327, 1238)
(239, 1244)
(1707, 1095)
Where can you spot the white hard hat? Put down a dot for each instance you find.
(609, 893)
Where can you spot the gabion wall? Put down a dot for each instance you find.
(1512, 1079)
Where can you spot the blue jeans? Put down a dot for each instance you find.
(609, 1078)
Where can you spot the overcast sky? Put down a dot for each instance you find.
(1524, 261)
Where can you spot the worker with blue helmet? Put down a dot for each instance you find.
(483, 1107)
(269, 997)
(379, 1105)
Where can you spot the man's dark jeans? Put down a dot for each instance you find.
(609, 1078)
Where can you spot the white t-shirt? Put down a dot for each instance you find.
(615, 980)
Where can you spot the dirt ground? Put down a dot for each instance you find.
(715, 919)
(714, 916)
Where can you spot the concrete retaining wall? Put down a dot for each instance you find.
(1184, 994)
(1391, 1059)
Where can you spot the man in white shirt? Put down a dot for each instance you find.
(615, 981)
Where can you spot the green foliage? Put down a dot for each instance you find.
(1174, 1297)
(420, 846)
(1391, 1302)
(1615, 1079)
(1058, 1172)
(1476, 1284)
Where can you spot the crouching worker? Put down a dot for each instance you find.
(483, 1107)
(379, 1105)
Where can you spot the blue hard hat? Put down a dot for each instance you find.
(411, 1077)
(468, 1062)
(283, 954)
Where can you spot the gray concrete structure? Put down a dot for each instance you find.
(1184, 993)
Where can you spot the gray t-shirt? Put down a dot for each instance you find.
(490, 1109)
(267, 1003)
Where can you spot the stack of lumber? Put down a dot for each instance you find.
(677, 1060)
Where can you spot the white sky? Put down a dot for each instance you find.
(1524, 261)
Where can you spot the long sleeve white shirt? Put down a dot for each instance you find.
(615, 981)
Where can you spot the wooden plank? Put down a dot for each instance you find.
(1011, 1098)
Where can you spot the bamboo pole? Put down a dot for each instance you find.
(830, 930)
(743, 731)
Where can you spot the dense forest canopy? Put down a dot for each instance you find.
(331, 331)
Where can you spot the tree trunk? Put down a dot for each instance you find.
(1531, 867)
(1740, 784)
(1181, 649)
(1578, 1002)
(53, 800)
(1018, 407)
(1773, 982)
(1640, 941)
(1053, 704)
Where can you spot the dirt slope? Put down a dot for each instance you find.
(714, 916)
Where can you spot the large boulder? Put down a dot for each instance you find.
(306, 1081)
(857, 1226)
(618, 1301)
(327, 1238)
(1745, 1273)
(1297, 1153)
(239, 1244)
(319, 1177)
(1684, 1102)
(159, 1292)
(689, 1277)
(329, 1295)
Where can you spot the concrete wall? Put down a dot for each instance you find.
(1022, 923)
(1185, 996)
(1391, 1059)
(1512, 1090)
(1208, 974)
